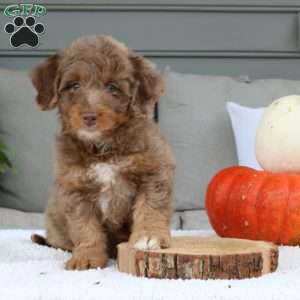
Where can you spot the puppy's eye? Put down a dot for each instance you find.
(112, 88)
(73, 86)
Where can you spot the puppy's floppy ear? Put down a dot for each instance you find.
(150, 84)
(44, 78)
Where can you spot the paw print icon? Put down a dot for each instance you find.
(24, 31)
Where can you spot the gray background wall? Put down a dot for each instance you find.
(259, 38)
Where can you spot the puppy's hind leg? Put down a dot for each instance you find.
(56, 231)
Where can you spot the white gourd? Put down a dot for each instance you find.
(278, 136)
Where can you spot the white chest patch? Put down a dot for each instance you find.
(116, 193)
(106, 176)
(105, 173)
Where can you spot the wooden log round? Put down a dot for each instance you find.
(201, 258)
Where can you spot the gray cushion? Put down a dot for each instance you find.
(193, 118)
(11, 219)
(29, 133)
(194, 219)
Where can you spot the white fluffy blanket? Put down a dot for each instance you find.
(29, 271)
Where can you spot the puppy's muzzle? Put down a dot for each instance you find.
(89, 119)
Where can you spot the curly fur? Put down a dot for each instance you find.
(114, 182)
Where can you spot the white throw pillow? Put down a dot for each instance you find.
(244, 121)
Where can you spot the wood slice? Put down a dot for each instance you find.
(201, 258)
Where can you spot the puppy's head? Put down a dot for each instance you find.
(98, 85)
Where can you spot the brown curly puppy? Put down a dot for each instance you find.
(114, 171)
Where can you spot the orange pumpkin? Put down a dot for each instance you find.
(258, 205)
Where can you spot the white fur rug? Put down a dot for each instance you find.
(29, 271)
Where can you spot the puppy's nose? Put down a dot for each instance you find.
(89, 119)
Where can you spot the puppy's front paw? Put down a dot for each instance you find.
(84, 260)
(150, 240)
